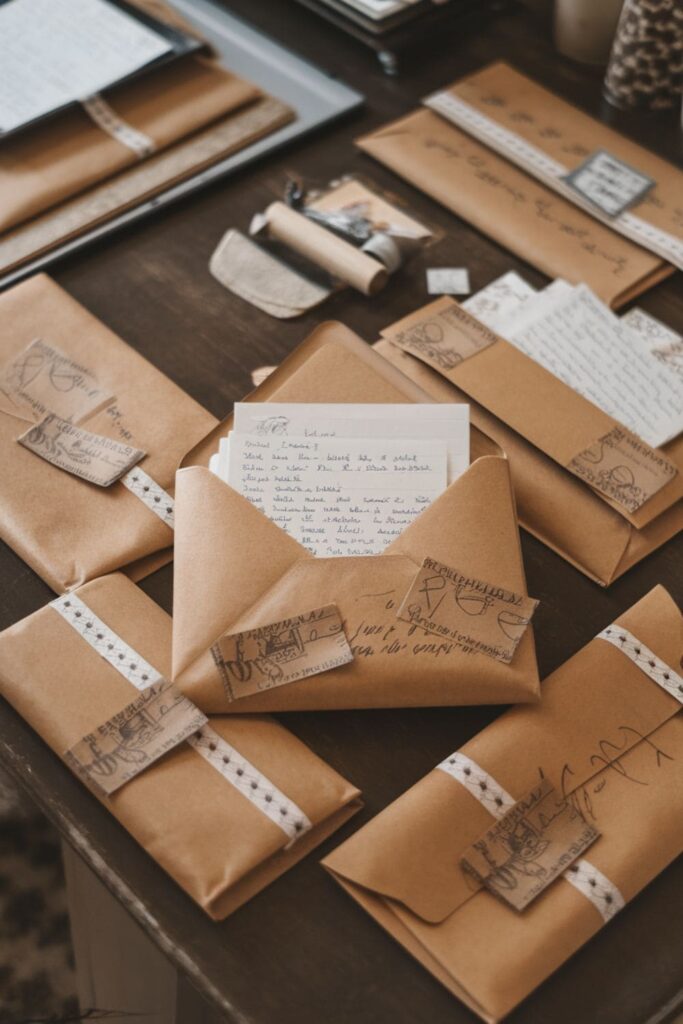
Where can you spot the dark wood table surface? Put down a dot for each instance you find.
(302, 952)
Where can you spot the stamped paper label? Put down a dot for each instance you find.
(624, 468)
(281, 652)
(530, 846)
(443, 338)
(92, 457)
(609, 183)
(134, 738)
(41, 380)
(480, 616)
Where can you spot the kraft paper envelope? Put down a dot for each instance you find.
(235, 570)
(67, 529)
(609, 738)
(540, 422)
(206, 827)
(513, 208)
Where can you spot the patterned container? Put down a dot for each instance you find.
(645, 70)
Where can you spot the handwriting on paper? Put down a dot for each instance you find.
(621, 467)
(92, 457)
(42, 379)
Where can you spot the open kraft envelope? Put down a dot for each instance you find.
(541, 424)
(224, 813)
(68, 529)
(608, 736)
(235, 570)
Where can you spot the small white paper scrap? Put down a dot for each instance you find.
(448, 281)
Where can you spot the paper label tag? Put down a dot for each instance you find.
(443, 338)
(134, 738)
(530, 846)
(478, 615)
(609, 183)
(624, 468)
(448, 281)
(89, 456)
(282, 652)
(42, 380)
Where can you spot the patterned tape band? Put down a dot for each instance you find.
(247, 779)
(148, 491)
(106, 118)
(590, 882)
(646, 660)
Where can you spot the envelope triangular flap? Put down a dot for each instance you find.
(411, 851)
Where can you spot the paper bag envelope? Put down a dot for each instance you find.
(69, 530)
(541, 423)
(606, 736)
(214, 841)
(234, 569)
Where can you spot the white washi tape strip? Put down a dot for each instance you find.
(646, 660)
(247, 779)
(148, 491)
(250, 782)
(550, 171)
(590, 882)
(106, 118)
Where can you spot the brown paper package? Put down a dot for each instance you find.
(518, 404)
(240, 571)
(224, 849)
(511, 207)
(602, 727)
(68, 530)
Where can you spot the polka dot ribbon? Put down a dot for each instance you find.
(583, 875)
(150, 493)
(220, 754)
(646, 660)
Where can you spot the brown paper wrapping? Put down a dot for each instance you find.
(224, 849)
(513, 208)
(557, 507)
(325, 249)
(602, 724)
(241, 571)
(66, 529)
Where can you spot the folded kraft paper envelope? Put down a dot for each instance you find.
(552, 437)
(235, 571)
(603, 753)
(231, 804)
(56, 358)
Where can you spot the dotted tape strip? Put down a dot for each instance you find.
(646, 660)
(106, 118)
(148, 491)
(532, 159)
(586, 878)
(235, 768)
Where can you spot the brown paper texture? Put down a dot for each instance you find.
(529, 847)
(135, 737)
(243, 571)
(282, 652)
(511, 207)
(224, 848)
(94, 458)
(469, 611)
(624, 468)
(77, 531)
(610, 740)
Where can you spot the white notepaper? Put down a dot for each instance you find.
(494, 304)
(338, 496)
(428, 421)
(448, 281)
(53, 52)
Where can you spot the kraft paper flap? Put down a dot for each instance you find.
(220, 573)
(532, 401)
(69, 153)
(62, 686)
(576, 135)
(513, 208)
(554, 505)
(411, 850)
(76, 531)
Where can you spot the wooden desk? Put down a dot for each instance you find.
(302, 952)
